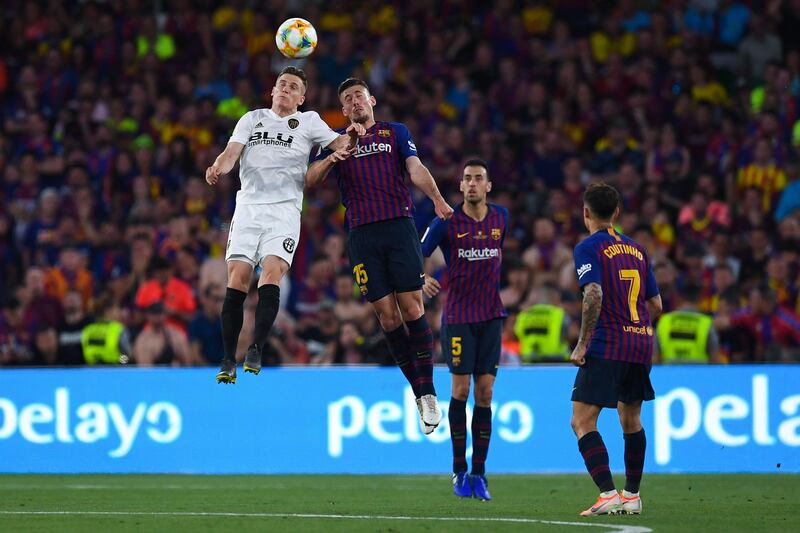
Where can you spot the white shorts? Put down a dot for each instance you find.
(259, 230)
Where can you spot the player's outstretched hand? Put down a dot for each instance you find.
(578, 355)
(340, 155)
(212, 174)
(431, 287)
(443, 210)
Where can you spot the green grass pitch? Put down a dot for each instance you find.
(548, 503)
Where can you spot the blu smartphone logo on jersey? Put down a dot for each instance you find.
(264, 137)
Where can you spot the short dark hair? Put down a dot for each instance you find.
(352, 82)
(294, 71)
(602, 200)
(478, 162)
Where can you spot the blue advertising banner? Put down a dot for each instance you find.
(364, 420)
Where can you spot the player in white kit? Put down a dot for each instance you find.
(273, 147)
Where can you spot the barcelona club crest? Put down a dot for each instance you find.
(293, 123)
(496, 234)
(384, 133)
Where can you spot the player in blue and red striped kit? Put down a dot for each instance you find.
(472, 323)
(615, 347)
(382, 241)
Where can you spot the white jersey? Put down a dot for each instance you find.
(274, 160)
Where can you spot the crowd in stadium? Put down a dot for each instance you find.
(111, 111)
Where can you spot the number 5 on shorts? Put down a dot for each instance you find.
(360, 274)
(455, 346)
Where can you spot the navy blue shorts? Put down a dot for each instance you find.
(386, 257)
(473, 348)
(605, 382)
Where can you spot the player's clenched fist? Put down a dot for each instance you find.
(578, 356)
(431, 287)
(443, 210)
(212, 174)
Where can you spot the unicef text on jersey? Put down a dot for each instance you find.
(364, 420)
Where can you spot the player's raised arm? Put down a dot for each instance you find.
(592, 303)
(340, 148)
(224, 162)
(421, 177)
(348, 139)
(318, 170)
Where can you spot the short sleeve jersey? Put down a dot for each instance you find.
(473, 251)
(274, 161)
(622, 269)
(372, 182)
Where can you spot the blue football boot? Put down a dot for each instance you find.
(461, 485)
(480, 488)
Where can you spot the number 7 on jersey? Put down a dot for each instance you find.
(635, 286)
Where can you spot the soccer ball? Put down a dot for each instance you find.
(296, 38)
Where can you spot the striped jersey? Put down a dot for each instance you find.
(372, 182)
(622, 269)
(473, 252)
(769, 180)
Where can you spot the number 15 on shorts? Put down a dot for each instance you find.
(361, 278)
(360, 274)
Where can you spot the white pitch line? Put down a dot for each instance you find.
(616, 527)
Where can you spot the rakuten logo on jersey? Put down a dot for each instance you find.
(478, 254)
(374, 148)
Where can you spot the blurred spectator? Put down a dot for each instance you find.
(789, 203)
(776, 329)
(160, 342)
(45, 346)
(348, 345)
(542, 328)
(15, 341)
(42, 309)
(163, 287)
(616, 148)
(105, 340)
(686, 335)
(205, 329)
(763, 174)
(347, 307)
(547, 255)
(70, 273)
(70, 350)
(515, 293)
(759, 48)
(320, 332)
